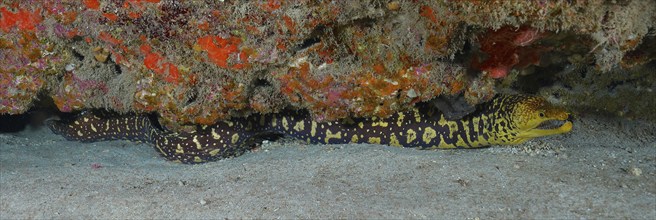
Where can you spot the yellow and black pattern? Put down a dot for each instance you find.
(510, 119)
(507, 119)
(208, 143)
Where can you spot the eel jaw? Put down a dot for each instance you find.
(549, 127)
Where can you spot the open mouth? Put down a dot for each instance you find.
(551, 124)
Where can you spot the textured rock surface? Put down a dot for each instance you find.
(200, 61)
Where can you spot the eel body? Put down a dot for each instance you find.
(506, 119)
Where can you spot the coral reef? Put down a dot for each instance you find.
(506, 48)
(196, 62)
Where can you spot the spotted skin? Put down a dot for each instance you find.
(510, 119)
(224, 139)
(507, 119)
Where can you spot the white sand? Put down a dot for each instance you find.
(592, 172)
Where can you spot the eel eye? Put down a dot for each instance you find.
(542, 114)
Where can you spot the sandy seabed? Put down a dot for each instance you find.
(604, 168)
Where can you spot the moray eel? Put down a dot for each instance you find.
(506, 119)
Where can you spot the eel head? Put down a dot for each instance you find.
(533, 117)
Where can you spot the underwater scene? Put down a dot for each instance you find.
(374, 109)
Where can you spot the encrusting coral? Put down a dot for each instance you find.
(195, 62)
